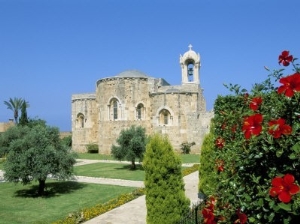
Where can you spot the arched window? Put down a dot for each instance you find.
(113, 109)
(80, 120)
(164, 117)
(190, 72)
(140, 111)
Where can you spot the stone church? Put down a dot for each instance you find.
(135, 98)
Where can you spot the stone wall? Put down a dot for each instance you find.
(188, 121)
(6, 125)
(129, 92)
(84, 121)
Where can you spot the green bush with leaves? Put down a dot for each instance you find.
(207, 172)
(131, 145)
(67, 141)
(165, 196)
(257, 152)
(186, 147)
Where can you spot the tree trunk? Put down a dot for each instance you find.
(42, 184)
(133, 164)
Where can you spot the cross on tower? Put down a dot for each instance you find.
(190, 47)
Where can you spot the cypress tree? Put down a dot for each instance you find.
(23, 119)
(165, 196)
(207, 171)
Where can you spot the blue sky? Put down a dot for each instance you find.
(50, 50)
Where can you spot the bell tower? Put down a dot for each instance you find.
(190, 67)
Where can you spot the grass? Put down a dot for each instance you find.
(190, 158)
(185, 158)
(20, 204)
(62, 198)
(111, 170)
(95, 156)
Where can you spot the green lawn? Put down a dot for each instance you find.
(185, 158)
(111, 170)
(19, 203)
(95, 156)
(190, 158)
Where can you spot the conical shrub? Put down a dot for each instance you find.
(165, 196)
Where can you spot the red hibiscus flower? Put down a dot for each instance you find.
(208, 215)
(252, 125)
(220, 165)
(208, 211)
(255, 103)
(242, 217)
(285, 58)
(284, 188)
(220, 142)
(290, 85)
(278, 128)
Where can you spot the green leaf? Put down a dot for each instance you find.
(259, 155)
(286, 207)
(279, 152)
(271, 216)
(293, 156)
(252, 220)
(296, 147)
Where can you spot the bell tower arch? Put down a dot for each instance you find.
(190, 67)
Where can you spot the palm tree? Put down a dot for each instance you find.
(15, 105)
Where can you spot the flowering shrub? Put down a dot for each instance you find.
(257, 151)
(89, 213)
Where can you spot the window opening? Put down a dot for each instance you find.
(139, 111)
(115, 109)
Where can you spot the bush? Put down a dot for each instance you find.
(67, 141)
(257, 152)
(92, 148)
(165, 197)
(207, 171)
(186, 147)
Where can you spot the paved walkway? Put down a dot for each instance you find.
(133, 212)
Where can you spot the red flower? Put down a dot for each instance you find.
(291, 84)
(208, 211)
(220, 165)
(252, 125)
(208, 215)
(255, 103)
(242, 217)
(285, 58)
(284, 188)
(278, 128)
(220, 142)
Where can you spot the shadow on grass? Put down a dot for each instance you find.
(52, 189)
(129, 167)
